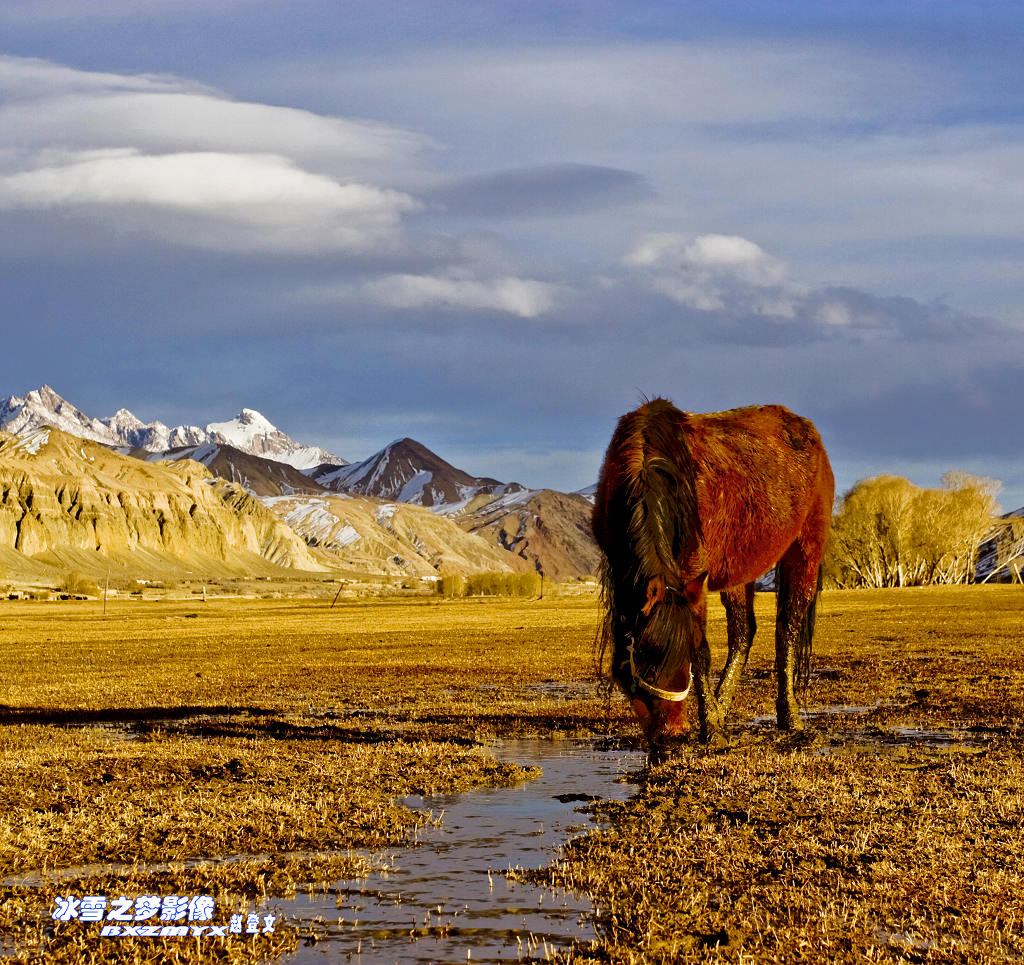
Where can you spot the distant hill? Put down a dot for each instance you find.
(547, 529)
(256, 474)
(540, 529)
(397, 539)
(71, 503)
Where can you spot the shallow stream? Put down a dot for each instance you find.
(447, 899)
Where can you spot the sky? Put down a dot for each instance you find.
(496, 226)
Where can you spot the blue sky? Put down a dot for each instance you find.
(493, 226)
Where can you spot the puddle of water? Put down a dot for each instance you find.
(887, 737)
(842, 710)
(832, 710)
(931, 736)
(901, 940)
(447, 900)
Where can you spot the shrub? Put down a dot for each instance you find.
(79, 584)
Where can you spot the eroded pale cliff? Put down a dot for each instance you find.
(60, 494)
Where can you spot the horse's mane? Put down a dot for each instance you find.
(650, 520)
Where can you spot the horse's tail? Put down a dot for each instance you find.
(805, 636)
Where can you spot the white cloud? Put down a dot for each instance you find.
(158, 119)
(739, 281)
(714, 272)
(47, 104)
(835, 314)
(33, 78)
(524, 297)
(516, 296)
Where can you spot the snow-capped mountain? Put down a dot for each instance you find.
(249, 431)
(43, 407)
(252, 432)
(132, 431)
(589, 493)
(541, 529)
(409, 472)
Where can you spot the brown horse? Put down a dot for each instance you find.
(688, 503)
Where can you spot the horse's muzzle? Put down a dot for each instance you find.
(663, 719)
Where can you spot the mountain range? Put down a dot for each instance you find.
(149, 496)
(402, 511)
(249, 431)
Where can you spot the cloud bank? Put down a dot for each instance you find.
(190, 166)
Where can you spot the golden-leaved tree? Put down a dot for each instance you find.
(889, 532)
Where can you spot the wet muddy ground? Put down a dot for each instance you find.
(261, 750)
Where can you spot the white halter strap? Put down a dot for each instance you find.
(674, 695)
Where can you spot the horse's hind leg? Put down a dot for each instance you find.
(739, 616)
(797, 585)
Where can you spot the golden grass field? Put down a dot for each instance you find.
(282, 732)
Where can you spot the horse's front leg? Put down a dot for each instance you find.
(739, 615)
(708, 713)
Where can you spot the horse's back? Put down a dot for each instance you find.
(754, 436)
(765, 481)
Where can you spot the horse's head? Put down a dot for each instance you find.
(656, 669)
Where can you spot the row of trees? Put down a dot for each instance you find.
(490, 584)
(888, 532)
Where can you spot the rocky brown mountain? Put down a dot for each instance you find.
(547, 529)
(408, 472)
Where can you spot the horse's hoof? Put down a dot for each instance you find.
(666, 748)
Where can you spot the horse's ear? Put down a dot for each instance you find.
(695, 589)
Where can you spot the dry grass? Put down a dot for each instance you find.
(770, 854)
(286, 657)
(282, 733)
